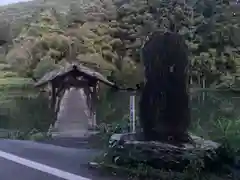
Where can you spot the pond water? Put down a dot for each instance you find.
(215, 115)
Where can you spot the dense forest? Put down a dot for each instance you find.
(107, 36)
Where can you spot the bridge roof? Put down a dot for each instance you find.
(67, 69)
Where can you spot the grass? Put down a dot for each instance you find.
(147, 172)
(14, 83)
(7, 74)
(16, 134)
(21, 109)
(10, 80)
(222, 130)
(5, 68)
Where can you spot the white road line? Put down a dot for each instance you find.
(41, 167)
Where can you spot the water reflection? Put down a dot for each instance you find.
(214, 114)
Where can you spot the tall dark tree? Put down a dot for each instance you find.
(164, 104)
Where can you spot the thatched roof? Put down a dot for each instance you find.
(62, 72)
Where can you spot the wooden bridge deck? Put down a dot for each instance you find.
(72, 120)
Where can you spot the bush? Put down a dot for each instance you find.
(44, 66)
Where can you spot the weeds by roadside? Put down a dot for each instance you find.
(225, 131)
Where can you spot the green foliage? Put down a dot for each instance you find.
(92, 43)
(33, 135)
(227, 131)
(43, 67)
(37, 42)
(210, 30)
(118, 31)
(75, 14)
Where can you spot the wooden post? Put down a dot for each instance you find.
(59, 97)
(53, 96)
(88, 93)
(53, 101)
(132, 114)
(204, 87)
(94, 101)
(199, 95)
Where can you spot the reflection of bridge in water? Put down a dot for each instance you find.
(73, 99)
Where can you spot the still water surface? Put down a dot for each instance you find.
(214, 114)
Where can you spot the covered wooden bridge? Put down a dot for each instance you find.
(73, 97)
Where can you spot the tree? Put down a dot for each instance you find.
(43, 40)
(75, 14)
(210, 29)
(164, 108)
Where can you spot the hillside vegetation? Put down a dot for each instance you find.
(107, 36)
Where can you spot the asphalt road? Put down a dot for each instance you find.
(10, 170)
(26, 160)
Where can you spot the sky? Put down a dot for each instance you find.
(5, 2)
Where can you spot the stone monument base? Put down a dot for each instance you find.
(129, 150)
